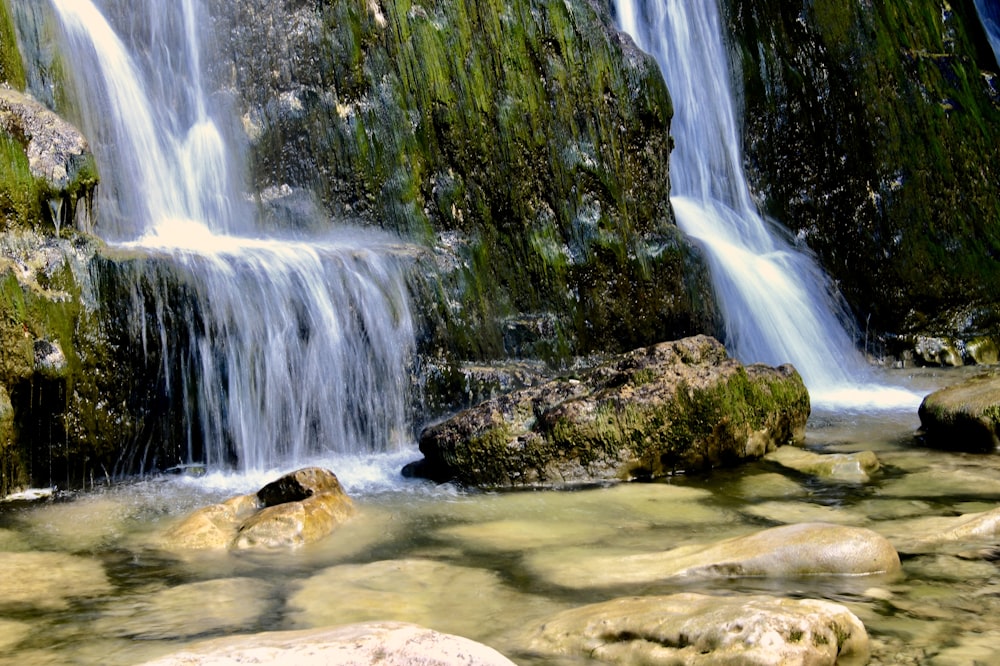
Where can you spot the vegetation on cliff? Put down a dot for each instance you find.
(873, 132)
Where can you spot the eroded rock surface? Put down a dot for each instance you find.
(964, 417)
(681, 405)
(690, 629)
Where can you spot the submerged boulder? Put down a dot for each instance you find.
(299, 508)
(689, 629)
(675, 406)
(388, 643)
(850, 467)
(963, 417)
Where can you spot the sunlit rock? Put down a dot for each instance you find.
(193, 609)
(849, 467)
(964, 417)
(920, 534)
(386, 643)
(676, 406)
(49, 581)
(804, 512)
(12, 633)
(805, 549)
(301, 507)
(694, 629)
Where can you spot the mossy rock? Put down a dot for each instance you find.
(673, 407)
(964, 417)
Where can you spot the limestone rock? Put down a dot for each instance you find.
(804, 549)
(964, 417)
(850, 467)
(680, 405)
(386, 643)
(695, 629)
(299, 508)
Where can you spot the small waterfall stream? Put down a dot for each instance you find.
(778, 305)
(989, 14)
(294, 347)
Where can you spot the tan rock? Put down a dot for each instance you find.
(850, 467)
(694, 629)
(294, 523)
(964, 417)
(383, 643)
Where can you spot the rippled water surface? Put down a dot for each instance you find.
(83, 583)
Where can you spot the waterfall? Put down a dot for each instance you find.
(989, 14)
(293, 348)
(778, 305)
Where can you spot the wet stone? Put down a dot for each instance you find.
(49, 581)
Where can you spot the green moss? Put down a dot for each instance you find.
(11, 67)
(20, 195)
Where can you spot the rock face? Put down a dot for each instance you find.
(803, 549)
(872, 131)
(691, 629)
(964, 417)
(388, 643)
(675, 406)
(299, 508)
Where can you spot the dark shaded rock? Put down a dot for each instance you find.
(299, 485)
(692, 629)
(675, 406)
(963, 417)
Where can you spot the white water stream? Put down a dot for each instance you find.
(989, 14)
(298, 348)
(778, 305)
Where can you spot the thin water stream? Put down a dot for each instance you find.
(493, 566)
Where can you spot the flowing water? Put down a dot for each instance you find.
(989, 14)
(293, 347)
(777, 304)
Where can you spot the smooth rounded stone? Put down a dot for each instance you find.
(12, 633)
(456, 599)
(384, 643)
(850, 467)
(768, 485)
(228, 604)
(965, 416)
(804, 512)
(295, 523)
(694, 629)
(790, 550)
(49, 580)
(918, 534)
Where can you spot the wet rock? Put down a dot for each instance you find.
(388, 643)
(50, 361)
(12, 633)
(963, 417)
(49, 581)
(680, 405)
(938, 351)
(302, 507)
(849, 467)
(805, 549)
(695, 629)
(920, 534)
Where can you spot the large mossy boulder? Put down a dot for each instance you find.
(675, 406)
(963, 417)
(526, 142)
(873, 131)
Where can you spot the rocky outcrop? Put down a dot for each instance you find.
(963, 417)
(872, 131)
(681, 405)
(803, 549)
(692, 629)
(299, 508)
(388, 643)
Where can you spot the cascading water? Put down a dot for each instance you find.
(989, 14)
(778, 305)
(294, 349)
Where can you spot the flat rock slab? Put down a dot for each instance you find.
(806, 549)
(964, 417)
(383, 643)
(850, 467)
(923, 534)
(694, 629)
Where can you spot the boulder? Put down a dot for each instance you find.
(700, 629)
(385, 643)
(963, 417)
(676, 406)
(299, 508)
(805, 549)
(850, 467)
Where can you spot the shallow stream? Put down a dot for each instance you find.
(82, 584)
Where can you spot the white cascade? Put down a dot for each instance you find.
(296, 348)
(989, 14)
(778, 305)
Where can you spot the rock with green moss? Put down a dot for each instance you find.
(675, 406)
(873, 131)
(964, 417)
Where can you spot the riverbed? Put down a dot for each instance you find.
(91, 587)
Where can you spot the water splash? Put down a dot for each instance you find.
(989, 15)
(291, 348)
(778, 305)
